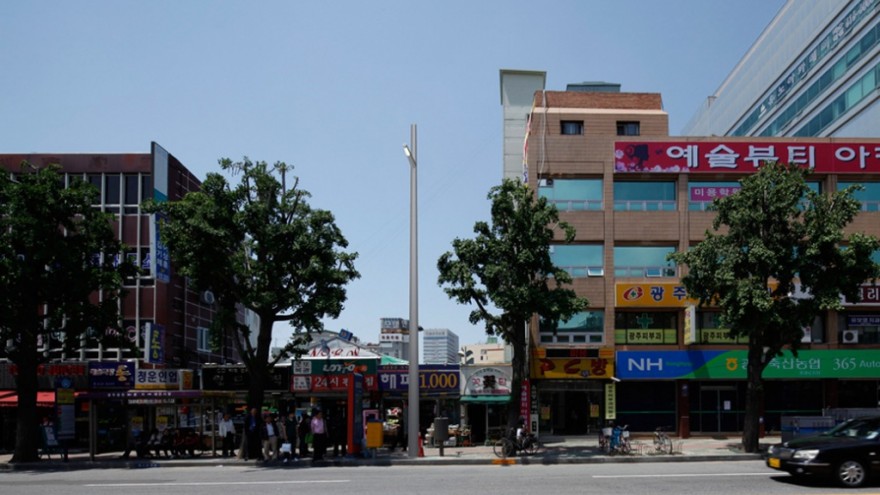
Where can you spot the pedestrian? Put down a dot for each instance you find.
(227, 434)
(269, 438)
(154, 444)
(319, 435)
(303, 432)
(289, 436)
(253, 449)
(338, 433)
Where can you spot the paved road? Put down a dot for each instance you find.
(728, 478)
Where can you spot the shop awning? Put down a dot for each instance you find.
(485, 399)
(10, 399)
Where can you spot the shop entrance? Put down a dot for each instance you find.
(720, 409)
(571, 411)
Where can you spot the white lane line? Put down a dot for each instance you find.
(699, 475)
(216, 483)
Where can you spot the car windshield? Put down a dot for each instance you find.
(866, 428)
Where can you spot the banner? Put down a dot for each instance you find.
(732, 365)
(572, 368)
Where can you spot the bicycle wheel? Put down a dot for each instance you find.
(531, 446)
(503, 447)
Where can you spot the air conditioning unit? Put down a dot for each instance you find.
(850, 337)
(208, 297)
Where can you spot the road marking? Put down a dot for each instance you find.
(216, 483)
(699, 475)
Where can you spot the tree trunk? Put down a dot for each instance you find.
(27, 433)
(518, 342)
(754, 397)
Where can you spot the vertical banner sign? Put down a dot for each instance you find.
(525, 402)
(65, 410)
(690, 324)
(610, 400)
(154, 351)
(160, 259)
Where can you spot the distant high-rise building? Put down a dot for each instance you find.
(440, 346)
(394, 337)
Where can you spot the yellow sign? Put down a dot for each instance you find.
(572, 368)
(610, 401)
(655, 295)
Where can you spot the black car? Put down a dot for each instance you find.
(848, 453)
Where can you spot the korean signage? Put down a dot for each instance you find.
(666, 295)
(723, 365)
(611, 400)
(332, 375)
(330, 383)
(862, 321)
(707, 194)
(434, 379)
(232, 378)
(572, 368)
(154, 348)
(743, 156)
(47, 375)
(164, 379)
(160, 257)
(488, 381)
(111, 374)
(870, 294)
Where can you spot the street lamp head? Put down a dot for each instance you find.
(409, 155)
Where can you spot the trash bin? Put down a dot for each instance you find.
(441, 430)
(375, 434)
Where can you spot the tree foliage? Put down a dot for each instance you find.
(260, 245)
(56, 253)
(773, 234)
(507, 273)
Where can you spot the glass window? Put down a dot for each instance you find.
(643, 261)
(146, 187)
(586, 327)
(628, 129)
(572, 127)
(579, 260)
(701, 194)
(646, 327)
(710, 331)
(95, 180)
(111, 189)
(869, 196)
(572, 194)
(859, 90)
(203, 341)
(862, 327)
(644, 196)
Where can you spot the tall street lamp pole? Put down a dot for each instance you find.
(413, 375)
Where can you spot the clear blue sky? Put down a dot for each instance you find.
(332, 87)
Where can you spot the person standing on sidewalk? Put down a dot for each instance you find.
(319, 435)
(304, 430)
(252, 427)
(227, 434)
(269, 436)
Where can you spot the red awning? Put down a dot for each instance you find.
(9, 398)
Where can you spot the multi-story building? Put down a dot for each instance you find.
(166, 320)
(814, 71)
(642, 352)
(394, 338)
(439, 346)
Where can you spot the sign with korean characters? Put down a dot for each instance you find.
(742, 156)
(332, 375)
(434, 379)
(236, 377)
(725, 365)
(611, 400)
(572, 368)
(111, 374)
(657, 295)
(164, 379)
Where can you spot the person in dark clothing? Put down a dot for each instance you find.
(289, 435)
(303, 429)
(338, 433)
(252, 427)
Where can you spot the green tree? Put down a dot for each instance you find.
(506, 268)
(261, 246)
(56, 253)
(772, 234)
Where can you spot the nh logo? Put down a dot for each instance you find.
(645, 364)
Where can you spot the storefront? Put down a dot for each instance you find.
(485, 399)
(704, 391)
(569, 389)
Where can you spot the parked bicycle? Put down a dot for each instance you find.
(510, 444)
(662, 442)
(619, 443)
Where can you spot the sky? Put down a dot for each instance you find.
(332, 87)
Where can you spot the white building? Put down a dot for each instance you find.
(440, 346)
(813, 72)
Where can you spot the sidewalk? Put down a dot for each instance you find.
(555, 450)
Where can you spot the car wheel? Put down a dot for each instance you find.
(851, 473)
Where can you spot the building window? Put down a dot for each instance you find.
(203, 340)
(572, 127)
(644, 196)
(572, 194)
(628, 129)
(701, 194)
(869, 195)
(862, 327)
(710, 331)
(646, 328)
(579, 260)
(643, 261)
(586, 327)
(858, 91)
